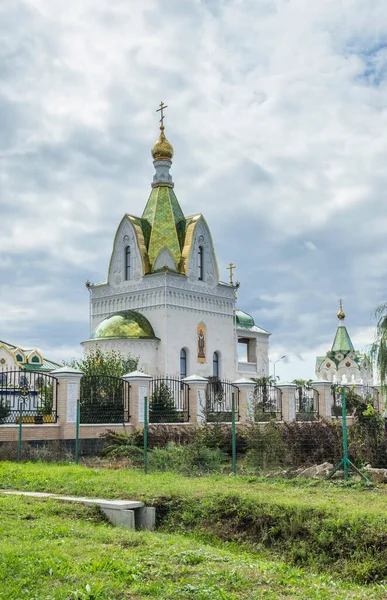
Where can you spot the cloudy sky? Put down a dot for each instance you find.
(277, 113)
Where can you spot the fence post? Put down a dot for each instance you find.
(145, 434)
(77, 421)
(344, 426)
(345, 462)
(19, 443)
(233, 432)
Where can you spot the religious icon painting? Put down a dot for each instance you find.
(201, 341)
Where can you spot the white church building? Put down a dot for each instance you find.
(342, 363)
(163, 300)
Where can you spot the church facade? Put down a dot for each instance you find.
(163, 299)
(342, 363)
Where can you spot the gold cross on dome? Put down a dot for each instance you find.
(231, 267)
(160, 110)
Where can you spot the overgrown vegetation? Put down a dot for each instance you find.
(58, 551)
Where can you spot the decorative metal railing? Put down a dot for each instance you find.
(104, 399)
(168, 400)
(31, 394)
(266, 403)
(218, 406)
(307, 403)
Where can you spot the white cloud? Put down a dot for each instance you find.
(277, 112)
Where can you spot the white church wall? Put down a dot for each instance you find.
(7, 360)
(182, 333)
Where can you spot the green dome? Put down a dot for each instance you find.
(244, 320)
(125, 324)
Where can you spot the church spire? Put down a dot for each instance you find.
(162, 153)
(342, 341)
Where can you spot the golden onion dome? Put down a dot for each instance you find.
(124, 324)
(162, 150)
(341, 313)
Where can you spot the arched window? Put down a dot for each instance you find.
(200, 263)
(127, 263)
(183, 363)
(215, 365)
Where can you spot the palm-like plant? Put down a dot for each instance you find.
(262, 397)
(378, 351)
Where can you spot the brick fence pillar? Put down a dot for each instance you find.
(246, 398)
(68, 393)
(139, 389)
(197, 397)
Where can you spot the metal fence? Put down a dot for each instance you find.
(267, 403)
(219, 400)
(31, 395)
(104, 399)
(307, 403)
(169, 400)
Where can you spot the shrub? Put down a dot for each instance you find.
(162, 407)
(4, 410)
(192, 459)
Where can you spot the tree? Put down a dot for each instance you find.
(378, 353)
(162, 407)
(100, 362)
(103, 393)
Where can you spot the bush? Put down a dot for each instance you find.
(192, 459)
(5, 411)
(265, 447)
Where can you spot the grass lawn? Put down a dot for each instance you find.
(56, 550)
(328, 527)
(329, 497)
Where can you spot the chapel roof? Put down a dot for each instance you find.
(45, 364)
(163, 225)
(245, 321)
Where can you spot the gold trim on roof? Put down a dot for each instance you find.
(188, 244)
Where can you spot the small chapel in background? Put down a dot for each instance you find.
(342, 363)
(163, 300)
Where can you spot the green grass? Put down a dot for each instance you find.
(339, 528)
(59, 551)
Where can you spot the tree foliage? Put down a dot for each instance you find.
(379, 347)
(104, 362)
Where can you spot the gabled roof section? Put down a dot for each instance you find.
(342, 341)
(46, 365)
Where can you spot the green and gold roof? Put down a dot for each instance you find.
(30, 359)
(163, 225)
(342, 348)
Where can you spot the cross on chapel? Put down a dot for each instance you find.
(160, 110)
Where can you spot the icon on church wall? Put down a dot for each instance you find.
(201, 336)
